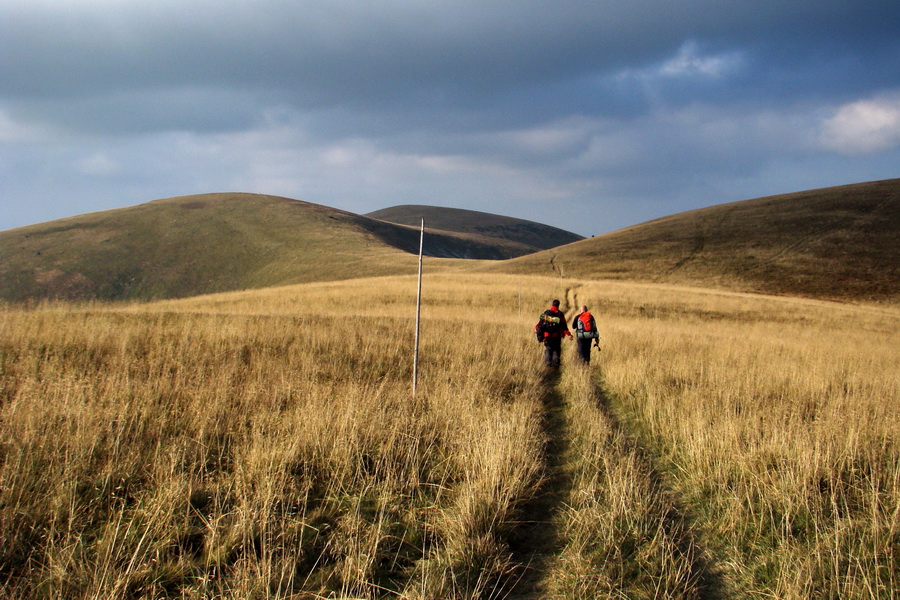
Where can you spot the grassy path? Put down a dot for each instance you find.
(536, 542)
(604, 523)
(704, 577)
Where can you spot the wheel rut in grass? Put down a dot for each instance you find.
(535, 542)
(705, 578)
(539, 539)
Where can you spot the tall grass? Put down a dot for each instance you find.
(777, 420)
(622, 534)
(176, 450)
(267, 444)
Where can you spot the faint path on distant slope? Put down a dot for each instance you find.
(815, 235)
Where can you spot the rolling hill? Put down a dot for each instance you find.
(192, 245)
(534, 235)
(839, 243)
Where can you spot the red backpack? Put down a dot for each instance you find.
(585, 326)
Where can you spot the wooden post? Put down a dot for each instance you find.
(418, 310)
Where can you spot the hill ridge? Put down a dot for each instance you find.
(536, 236)
(838, 242)
(202, 243)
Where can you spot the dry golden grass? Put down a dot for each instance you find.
(202, 448)
(622, 536)
(266, 444)
(777, 421)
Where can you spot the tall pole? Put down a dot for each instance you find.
(418, 309)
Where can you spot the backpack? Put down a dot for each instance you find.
(585, 327)
(550, 323)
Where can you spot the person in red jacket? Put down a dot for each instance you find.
(550, 330)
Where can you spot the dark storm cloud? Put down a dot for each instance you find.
(393, 52)
(507, 102)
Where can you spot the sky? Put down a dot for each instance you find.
(588, 115)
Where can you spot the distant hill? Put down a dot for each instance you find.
(840, 242)
(536, 236)
(192, 245)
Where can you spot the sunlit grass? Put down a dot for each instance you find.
(777, 420)
(267, 444)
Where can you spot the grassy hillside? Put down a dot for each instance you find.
(841, 242)
(221, 447)
(535, 235)
(214, 242)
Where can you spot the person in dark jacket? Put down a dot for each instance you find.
(550, 330)
(585, 333)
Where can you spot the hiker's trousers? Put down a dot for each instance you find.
(552, 350)
(584, 349)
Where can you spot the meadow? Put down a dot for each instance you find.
(267, 444)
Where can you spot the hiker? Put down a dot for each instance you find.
(585, 333)
(551, 329)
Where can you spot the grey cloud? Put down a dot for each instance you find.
(327, 51)
(402, 64)
(657, 104)
(133, 111)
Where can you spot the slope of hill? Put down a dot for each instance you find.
(535, 235)
(841, 242)
(192, 245)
